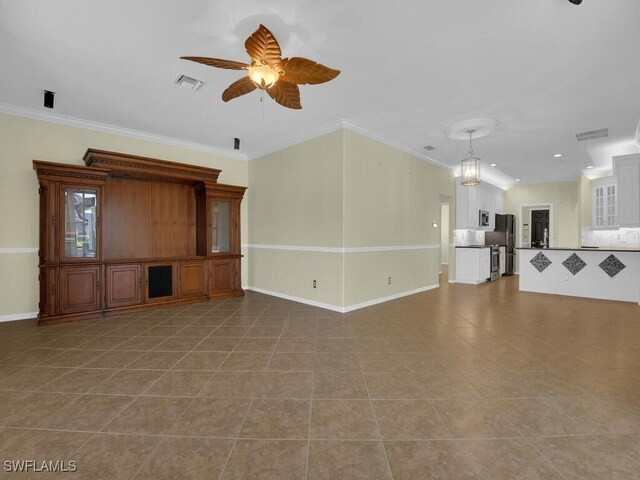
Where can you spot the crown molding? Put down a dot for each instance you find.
(348, 125)
(107, 128)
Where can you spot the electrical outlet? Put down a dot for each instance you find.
(389, 280)
(314, 284)
(566, 278)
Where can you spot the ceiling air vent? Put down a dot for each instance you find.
(592, 134)
(189, 82)
(429, 148)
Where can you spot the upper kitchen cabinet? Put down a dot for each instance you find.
(604, 209)
(627, 172)
(470, 201)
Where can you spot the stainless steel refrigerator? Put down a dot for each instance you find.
(504, 235)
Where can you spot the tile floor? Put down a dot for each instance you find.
(478, 382)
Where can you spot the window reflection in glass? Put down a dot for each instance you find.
(219, 225)
(80, 219)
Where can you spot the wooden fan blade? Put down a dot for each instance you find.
(286, 94)
(217, 62)
(238, 88)
(304, 71)
(263, 47)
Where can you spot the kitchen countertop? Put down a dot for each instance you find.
(582, 249)
(473, 246)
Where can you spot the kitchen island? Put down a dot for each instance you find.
(604, 273)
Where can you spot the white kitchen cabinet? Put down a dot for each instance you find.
(473, 265)
(604, 198)
(469, 202)
(627, 173)
(503, 260)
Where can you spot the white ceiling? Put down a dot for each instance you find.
(545, 69)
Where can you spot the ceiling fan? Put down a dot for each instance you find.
(268, 71)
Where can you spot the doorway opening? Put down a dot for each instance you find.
(536, 226)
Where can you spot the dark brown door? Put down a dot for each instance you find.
(124, 285)
(539, 221)
(80, 289)
(193, 279)
(221, 276)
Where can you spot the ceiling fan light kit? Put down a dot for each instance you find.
(270, 72)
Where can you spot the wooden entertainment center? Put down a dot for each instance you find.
(127, 233)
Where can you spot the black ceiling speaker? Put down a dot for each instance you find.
(576, 2)
(48, 98)
(236, 143)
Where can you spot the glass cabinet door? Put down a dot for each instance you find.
(219, 226)
(80, 207)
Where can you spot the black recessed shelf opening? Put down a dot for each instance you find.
(160, 281)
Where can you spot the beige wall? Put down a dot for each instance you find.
(565, 198)
(297, 201)
(23, 140)
(392, 199)
(339, 192)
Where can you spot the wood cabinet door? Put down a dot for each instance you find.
(80, 289)
(124, 285)
(78, 223)
(222, 275)
(160, 282)
(193, 279)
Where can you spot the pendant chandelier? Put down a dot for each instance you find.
(470, 166)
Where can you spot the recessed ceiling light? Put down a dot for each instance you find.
(493, 164)
(189, 82)
(589, 166)
(517, 179)
(557, 155)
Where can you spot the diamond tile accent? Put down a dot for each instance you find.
(612, 266)
(540, 262)
(574, 264)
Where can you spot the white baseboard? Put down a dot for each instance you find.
(452, 281)
(395, 296)
(293, 298)
(469, 281)
(338, 309)
(18, 316)
(445, 263)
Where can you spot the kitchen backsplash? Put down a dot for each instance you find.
(622, 237)
(468, 237)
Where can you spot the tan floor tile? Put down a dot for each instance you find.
(88, 413)
(336, 362)
(72, 358)
(179, 383)
(141, 343)
(628, 445)
(102, 343)
(212, 417)
(32, 378)
(149, 415)
(539, 417)
(32, 408)
(42, 445)
(113, 359)
(393, 385)
(246, 361)
(332, 344)
(437, 385)
(475, 418)
(179, 457)
(113, 456)
(196, 332)
(409, 420)
(231, 384)
(128, 382)
(218, 344)
(78, 381)
(229, 331)
(337, 460)
(508, 459)
(598, 415)
(343, 419)
(256, 345)
(156, 361)
(292, 362)
(267, 460)
(178, 344)
(264, 332)
(296, 345)
(339, 386)
(10, 435)
(209, 361)
(387, 362)
(287, 419)
(428, 460)
(585, 458)
(284, 385)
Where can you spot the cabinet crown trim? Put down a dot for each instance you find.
(144, 167)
